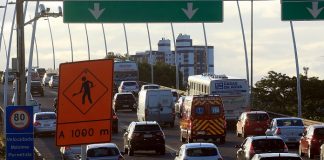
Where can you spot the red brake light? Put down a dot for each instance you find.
(37, 124)
(314, 138)
(278, 131)
(159, 133)
(252, 149)
(136, 134)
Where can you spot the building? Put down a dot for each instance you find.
(191, 59)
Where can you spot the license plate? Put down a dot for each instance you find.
(147, 135)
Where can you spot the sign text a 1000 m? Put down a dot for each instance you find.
(135, 11)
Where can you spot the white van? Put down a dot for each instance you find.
(156, 105)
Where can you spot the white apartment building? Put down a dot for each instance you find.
(192, 59)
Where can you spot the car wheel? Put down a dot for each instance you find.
(222, 140)
(172, 124)
(309, 153)
(162, 151)
(181, 137)
(130, 152)
(300, 151)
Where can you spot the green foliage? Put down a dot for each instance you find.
(164, 74)
(278, 93)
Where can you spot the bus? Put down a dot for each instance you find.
(233, 91)
(125, 71)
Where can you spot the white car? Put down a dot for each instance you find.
(150, 86)
(198, 151)
(128, 86)
(103, 151)
(44, 123)
(54, 81)
(46, 78)
(276, 156)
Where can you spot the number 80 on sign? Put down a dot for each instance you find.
(19, 119)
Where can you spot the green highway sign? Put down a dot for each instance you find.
(302, 10)
(135, 11)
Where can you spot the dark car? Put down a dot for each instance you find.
(260, 144)
(125, 100)
(311, 140)
(145, 135)
(36, 88)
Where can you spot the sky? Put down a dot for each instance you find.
(273, 48)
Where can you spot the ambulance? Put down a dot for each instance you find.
(202, 117)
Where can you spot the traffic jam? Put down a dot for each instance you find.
(202, 118)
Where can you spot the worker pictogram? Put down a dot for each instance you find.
(81, 89)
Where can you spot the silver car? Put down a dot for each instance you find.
(103, 151)
(198, 151)
(70, 152)
(44, 123)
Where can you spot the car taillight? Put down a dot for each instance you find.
(159, 134)
(136, 134)
(278, 131)
(67, 147)
(286, 148)
(115, 117)
(37, 124)
(252, 152)
(314, 139)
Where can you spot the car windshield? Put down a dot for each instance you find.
(290, 122)
(281, 158)
(198, 152)
(319, 132)
(257, 117)
(45, 116)
(268, 145)
(102, 152)
(149, 127)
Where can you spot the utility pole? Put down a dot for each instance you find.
(21, 82)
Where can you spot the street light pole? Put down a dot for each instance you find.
(85, 27)
(104, 36)
(49, 25)
(3, 20)
(70, 42)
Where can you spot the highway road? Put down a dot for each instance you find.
(46, 144)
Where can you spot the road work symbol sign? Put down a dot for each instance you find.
(85, 102)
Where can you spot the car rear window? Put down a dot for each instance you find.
(257, 117)
(45, 116)
(151, 87)
(281, 158)
(150, 127)
(129, 83)
(197, 152)
(319, 131)
(290, 122)
(268, 145)
(102, 152)
(125, 97)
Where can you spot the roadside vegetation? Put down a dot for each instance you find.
(277, 92)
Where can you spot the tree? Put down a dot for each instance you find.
(164, 74)
(278, 93)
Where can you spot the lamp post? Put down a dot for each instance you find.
(53, 50)
(70, 42)
(3, 20)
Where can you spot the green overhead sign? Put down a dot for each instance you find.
(135, 11)
(302, 10)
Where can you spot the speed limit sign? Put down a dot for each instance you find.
(19, 119)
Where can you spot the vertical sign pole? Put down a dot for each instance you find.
(251, 96)
(175, 58)
(151, 57)
(206, 49)
(70, 42)
(127, 54)
(85, 27)
(297, 71)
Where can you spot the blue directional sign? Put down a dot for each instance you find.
(19, 133)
